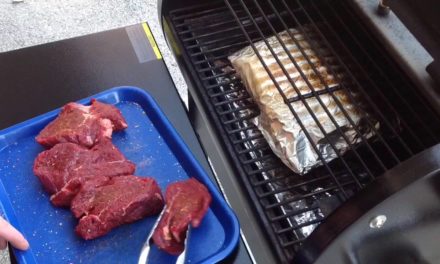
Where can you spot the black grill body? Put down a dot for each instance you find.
(203, 35)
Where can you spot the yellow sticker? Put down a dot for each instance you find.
(152, 41)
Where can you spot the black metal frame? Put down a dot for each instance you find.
(210, 32)
(421, 18)
(347, 231)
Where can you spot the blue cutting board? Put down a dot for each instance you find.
(152, 143)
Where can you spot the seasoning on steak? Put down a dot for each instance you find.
(84, 125)
(186, 202)
(104, 203)
(63, 168)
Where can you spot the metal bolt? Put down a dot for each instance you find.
(378, 221)
(382, 8)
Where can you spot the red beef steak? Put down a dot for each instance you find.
(186, 202)
(83, 125)
(105, 203)
(65, 167)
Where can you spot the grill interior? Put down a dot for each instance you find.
(290, 206)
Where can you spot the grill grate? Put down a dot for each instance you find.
(209, 33)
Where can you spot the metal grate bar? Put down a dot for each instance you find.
(230, 38)
(280, 217)
(238, 44)
(213, 25)
(293, 186)
(219, 24)
(288, 201)
(215, 76)
(315, 93)
(416, 117)
(291, 228)
(399, 95)
(299, 94)
(376, 109)
(210, 34)
(263, 158)
(242, 98)
(247, 150)
(247, 139)
(235, 110)
(384, 56)
(312, 95)
(210, 60)
(239, 119)
(347, 71)
(394, 111)
(267, 168)
(213, 68)
(220, 84)
(195, 13)
(237, 130)
(353, 100)
(213, 94)
(271, 180)
(233, 29)
(292, 243)
(300, 184)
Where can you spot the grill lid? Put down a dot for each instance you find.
(422, 18)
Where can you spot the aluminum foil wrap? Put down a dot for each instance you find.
(276, 121)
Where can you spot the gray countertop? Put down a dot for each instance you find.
(35, 22)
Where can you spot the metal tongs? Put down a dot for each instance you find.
(143, 257)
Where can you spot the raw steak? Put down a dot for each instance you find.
(84, 125)
(105, 203)
(63, 168)
(186, 202)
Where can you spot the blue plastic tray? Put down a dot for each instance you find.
(152, 143)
